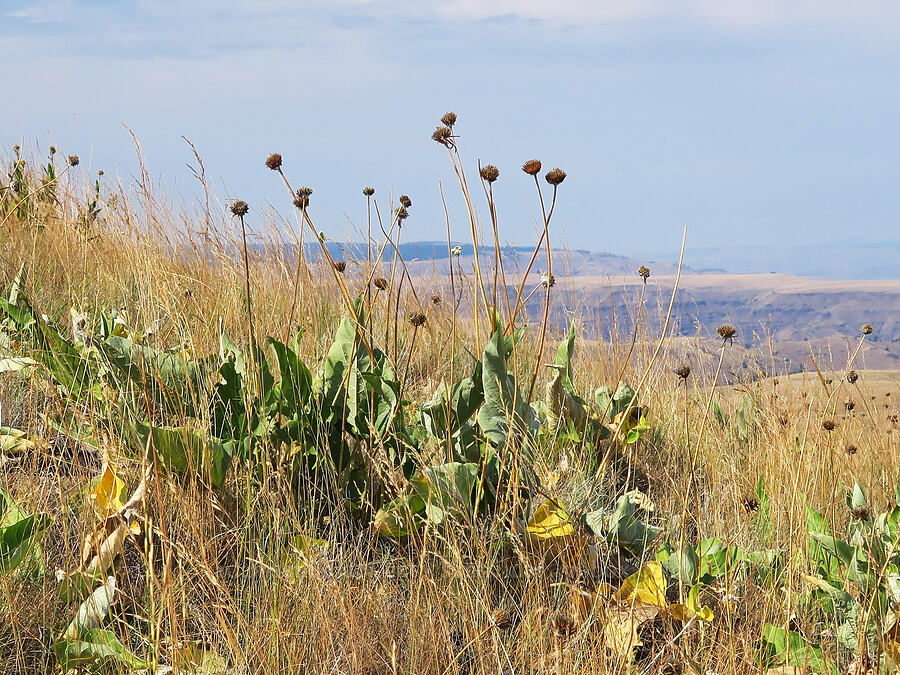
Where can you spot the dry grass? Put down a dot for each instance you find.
(220, 571)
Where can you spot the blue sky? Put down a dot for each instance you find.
(751, 122)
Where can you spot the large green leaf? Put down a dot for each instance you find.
(183, 448)
(446, 490)
(787, 647)
(96, 646)
(294, 386)
(564, 359)
(504, 412)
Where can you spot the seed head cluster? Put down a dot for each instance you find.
(852, 376)
(273, 161)
(240, 208)
(443, 135)
(490, 173)
(449, 119)
(726, 332)
(683, 371)
(532, 167)
(644, 272)
(73, 160)
(380, 283)
(301, 201)
(340, 266)
(368, 191)
(417, 319)
(406, 201)
(866, 329)
(555, 176)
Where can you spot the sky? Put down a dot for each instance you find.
(751, 122)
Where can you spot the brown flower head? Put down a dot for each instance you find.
(240, 208)
(449, 119)
(852, 376)
(73, 160)
(828, 425)
(490, 173)
(850, 404)
(750, 503)
(683, 371)
(417, 319)
(273, 161)
(644, 272)
(563, 626)
(850, 449)
(443, 135)
(301, 201)
(501, 619)
(406, 201)
(435, 299)
(402, 214)
(380, 283)
(368, 191)
(866, 329)
(863, 512)
(726, 332)
(555, 176)
(340, 266)
(532, 167)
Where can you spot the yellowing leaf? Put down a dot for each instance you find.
(647, 585)
(195, 658)
(550, 521)
(107, 494)
(691, 608)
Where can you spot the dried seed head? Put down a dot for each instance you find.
(555, 176)
(273, 161)
(380, 283)
(532, 167)
(435, 299)
(490, 173)
(449, 119)
(340, 266)
(417, 319)
(406, 201)
(301, 201)
(726, 331)
(563, 626)
(683, 371)
(852, 376)
(100, 172)
(240, 208)
(783, 420)
(456, 250)
(548, 280)
(402, 213)
(368, 191)
(861, 512)
(866, 329)
(644, 272)
(828, 425)
(501, 619)
(750, 503)
(443, 135)
(851, 449)
(850, 404)
(73, 160)
(52, 149)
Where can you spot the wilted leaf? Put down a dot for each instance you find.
(621, 630)
(550, 521)
(691, 607)
(93, 611)
(183, 448)
(107, 494)
(446, 489)
(15, 440)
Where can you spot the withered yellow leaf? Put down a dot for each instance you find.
(620, 632)
(647, 585)
(550, 521)
(107, 494)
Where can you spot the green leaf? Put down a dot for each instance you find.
(446, 490)
(94, 647)
(504, 412)
(683, 565)
(19, 538)
(564, 359)
(623, 526)
(399, 517)
(183, 448)
(93, 611)
(292, 392)
(787, 647)
(857, 499)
